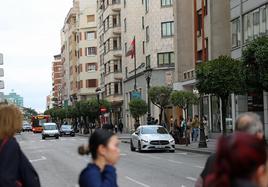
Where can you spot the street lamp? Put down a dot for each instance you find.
(98, 92)
(148, 75)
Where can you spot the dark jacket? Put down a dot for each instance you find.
(92, 176)
(15, 168)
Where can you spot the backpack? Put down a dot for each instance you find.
(26, 175)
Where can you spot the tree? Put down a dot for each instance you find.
(138, 108)
(221, 77)
(255, 64)
(29, 112)
(160, 97)
(183, 99)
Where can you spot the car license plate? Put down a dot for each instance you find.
(158, 147)
(67, 133)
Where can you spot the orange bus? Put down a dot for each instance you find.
(38, 121)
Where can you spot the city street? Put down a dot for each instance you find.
(59, 164)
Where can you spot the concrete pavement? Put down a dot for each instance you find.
(59, 165)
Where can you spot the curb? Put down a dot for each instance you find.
(205, 152)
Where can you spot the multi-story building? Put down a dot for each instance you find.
(14, 98)
(110, 55)
(202, 33)
(87, 66)
(152, 25)
(57, 80)
(249, 20)
(2, 86)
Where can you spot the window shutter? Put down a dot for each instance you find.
(86, 52)
(85, 35)
(80, 35)
(80, 52)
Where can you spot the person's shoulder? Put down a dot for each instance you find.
(90, 170)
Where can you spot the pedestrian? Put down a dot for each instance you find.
(156, 122)
(205, 124)
(182, 127)
(241, 161)
(104, 148)
(188, 131)
(195, 128)
(116, 128)
(121, 126)
(247, 122)
(15, 168)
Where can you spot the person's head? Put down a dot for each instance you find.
(241, 156)
(10, 120)
(250, 123)
(103, 144)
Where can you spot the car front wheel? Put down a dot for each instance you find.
(132, 148)
(139, 147)
(43, 137)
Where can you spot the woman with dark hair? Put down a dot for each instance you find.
(104, 148)
(241, 161)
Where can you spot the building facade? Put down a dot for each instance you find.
(110, 55)
(152, 25)
(202, 33)
(2, 85)
(57, 80)
(14, 98)
(249, 20)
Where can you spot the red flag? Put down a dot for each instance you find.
(131, 50)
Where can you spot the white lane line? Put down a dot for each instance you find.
(173, 161)
(183, 186)
(191, 179)
(123, 154)
(137, 182)
(200, 167)
(40, 159)
(181, 153)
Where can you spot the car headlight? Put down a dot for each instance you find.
(145, 141)
(172, 141)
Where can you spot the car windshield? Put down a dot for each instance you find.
(154, 130)
(50, 127)
(66, 127)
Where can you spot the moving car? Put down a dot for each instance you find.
(26, 127)
(152, 137)
(50, 130)
(67, 130)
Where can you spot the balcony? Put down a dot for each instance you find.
(116, 5)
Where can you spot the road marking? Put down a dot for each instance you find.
(177, 162)
(40, 159)
(191, 179)
(200, 167)
(181, 153)
(123, 154)
(183, 186)
(137, 182)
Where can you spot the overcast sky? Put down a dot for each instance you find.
(29, 38)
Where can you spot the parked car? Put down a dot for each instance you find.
(50, 130)
(152, 137)
(67, 130)
(26, 127)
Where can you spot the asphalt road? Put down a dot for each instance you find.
(59, 164)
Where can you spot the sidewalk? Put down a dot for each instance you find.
(120, 136)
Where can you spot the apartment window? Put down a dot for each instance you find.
(142, 22)
(90, 18)
(236, 33)
(148, 61)
(91, 67)
(117, 65)
(143, 47)
(126, 72)
(126, 49)
(110, 89)
(91, 35)
(167, 29)
(166, 59)
(199, 22)
(146, 6)
(263, 20)
(125, 3)
(165, 3)
(248, 26)
(91, 83)
(80, 68)
(256, 23)
(116, 88)
(125, 25)
(80, 84)
(147, 34)
(200, 56)
(91, 51)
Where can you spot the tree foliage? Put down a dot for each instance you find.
(29, 112)
(138, 108)
(160, 97)
(255, 64)
(221, 77)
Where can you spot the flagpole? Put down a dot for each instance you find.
(135, 65)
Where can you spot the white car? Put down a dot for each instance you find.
(50, 130)
(152, 137)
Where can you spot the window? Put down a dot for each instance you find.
(167, 29)
(236, 41)
(143, 47)
(92, 83)
(147, 34)
(166, 59)
(125, 25)
(126, 49)
(142, 22)
(91, 67)
(91, 35)
(165, 3)
(90, 18)
(148, 61)
(146, 6)
(199, 22)
(126, 72)
(80, 84)
(116, 88)
(80, 68)
(263, 20)
(117, 65)
(256, 23)
(91, 51)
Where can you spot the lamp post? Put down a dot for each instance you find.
(98, 91)
(148, 75)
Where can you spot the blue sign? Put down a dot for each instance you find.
(135, 95)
